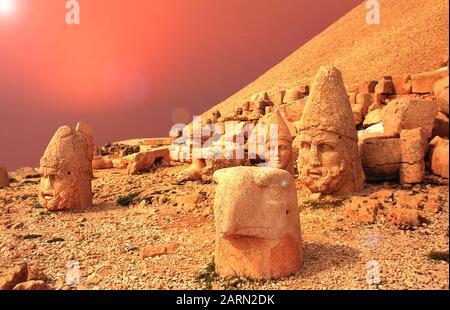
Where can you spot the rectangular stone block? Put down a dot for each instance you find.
(412, 173)
(414, 145)
(158, 141)
(367, 87)
(402, 84)
(304, 89)
(381, 157)
(406, 113)
(366, 99)
(423, 83)
(385, 87)
(292, 95)
(278, 98)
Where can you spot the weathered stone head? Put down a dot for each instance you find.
(282, 140)
(257, 223)
(66, 171)
(329, 159)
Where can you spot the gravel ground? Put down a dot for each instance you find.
(107, 241)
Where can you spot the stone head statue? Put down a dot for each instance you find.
(257, 223)
(66, 171)
(281, 157)
(329, 159)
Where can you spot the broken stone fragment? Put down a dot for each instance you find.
(363, 210)
(442, 95)
(440, 157)
(402, 84)
(414, 147)
(102, 162)
(441, 126)
(34, 285)
(407, 113)
(385, 86)
(423, 83)
(373, 117)
(367, 87)
(143, 161)
(381, 157)
(292, 95)
(14, 276)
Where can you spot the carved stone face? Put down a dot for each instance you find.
(322, 160)
(257, 223)
(266, 209)
(66, 171)
(58, 191)
(284, 158)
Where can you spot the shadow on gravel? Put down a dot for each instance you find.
(320, 257)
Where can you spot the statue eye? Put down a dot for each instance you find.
(305, 145)
(325, 147)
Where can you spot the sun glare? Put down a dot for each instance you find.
(6, 7)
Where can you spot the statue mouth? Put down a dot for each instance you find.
(48, 195)
(315, 173)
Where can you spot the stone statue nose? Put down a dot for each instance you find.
(47, 183)
(314, 156)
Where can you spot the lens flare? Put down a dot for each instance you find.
(6, 7)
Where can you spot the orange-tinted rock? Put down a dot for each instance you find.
(367, 87)
(441, 126)
(293, 111)
(257, 223)
(385, 87)
(406, 113)
(373, 117)
(158, 141)
(406, 199)
(376, 106)
(4, 177)
(329, 160)
(405, 216)
(102, 162)
(278, 98)
(363, 210)
(304, 89)
(261, 96)
(414, 147)
(66, 171)
(159, 249)
(423, 83)
(440, 157)
(381, 157)
(431, 206)
(292, 95)
(367, 100)
(402, 84)
(145, 160)
(25, 173)
(352, 98)
(34, 285)
(358, 111)
(442, 95)
(14, 276)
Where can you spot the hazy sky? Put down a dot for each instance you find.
(132, 68)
